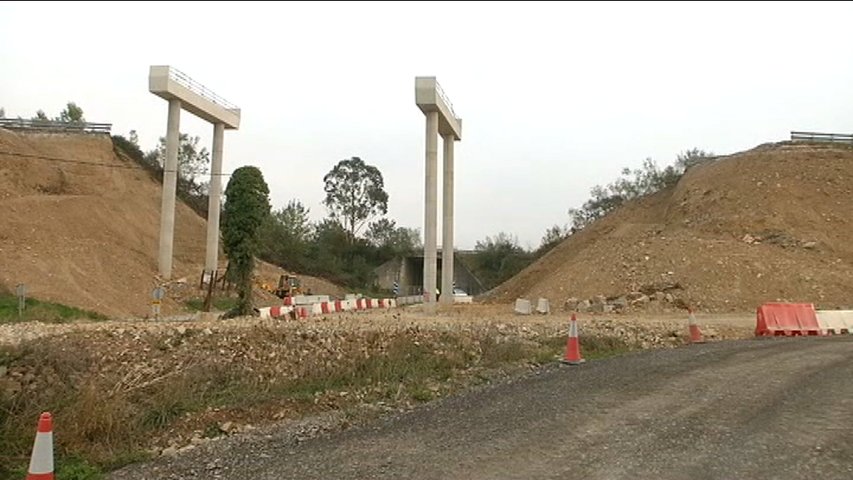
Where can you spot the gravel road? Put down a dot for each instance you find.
(761, 408)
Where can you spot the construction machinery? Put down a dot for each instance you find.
(288, 286)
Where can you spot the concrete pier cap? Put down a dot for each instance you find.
(170, 83)
(429, 97)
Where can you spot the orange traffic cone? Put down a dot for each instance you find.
(573, 348)
(41, 462)
(695, 332)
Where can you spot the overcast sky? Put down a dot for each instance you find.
(555, 97)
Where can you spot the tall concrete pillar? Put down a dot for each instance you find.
(431, 213)
(447, 225)
(170, 181)
(211, 259)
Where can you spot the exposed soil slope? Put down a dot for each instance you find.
(82, 227)
(768, 224)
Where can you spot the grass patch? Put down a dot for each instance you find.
(222, 304)
(37, 310)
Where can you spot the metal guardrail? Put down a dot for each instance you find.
(446, 99)
(185, 81)
(822, 137)
(55, 126)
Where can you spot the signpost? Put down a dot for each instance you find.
(21, 291)
(157, 295)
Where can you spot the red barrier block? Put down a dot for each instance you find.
(786, 319)
(288, 301)
(360, 304)
(275, 312)
(324, 307)
(338, 306)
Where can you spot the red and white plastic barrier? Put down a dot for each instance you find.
(835, 321)
(325, 308)
(786, 319)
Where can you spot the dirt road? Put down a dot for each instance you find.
(774, 408)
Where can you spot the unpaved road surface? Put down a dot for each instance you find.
(759, 409)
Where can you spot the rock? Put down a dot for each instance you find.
(680, 303)
(669, 298)
(226, 427)
(169, 451)
(599, 300)
(634, 295)
(748, 239)
(181, 330)
(571, 303)
(607, 308)
(598, 307)
(651, 288)
(659, 296)
(639, 301)
(620, 303)
(186, 449)
(583, 306)
(810, 245)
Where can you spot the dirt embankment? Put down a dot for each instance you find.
(769, 224)
(81, 227)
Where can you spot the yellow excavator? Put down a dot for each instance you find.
(288, 286)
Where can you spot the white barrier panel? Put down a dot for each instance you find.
(835, 321)
(522, 306)
(350, 296)
(410, 300)
(264, 312)
(463, 299)
(392, 303)
(348, 304)
(316, 309)
(543, 307)
(309, 299)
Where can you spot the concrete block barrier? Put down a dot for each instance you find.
(522, 306)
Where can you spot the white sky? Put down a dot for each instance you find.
(555, 97)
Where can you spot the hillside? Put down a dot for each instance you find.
(768, 224)
(82, 226)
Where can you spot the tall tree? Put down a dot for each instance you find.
(294, 219)
(246, 206)
(133, 138)
(392, 240)
(285, 235)
(192, 160)
(71, 114)
(355, 193)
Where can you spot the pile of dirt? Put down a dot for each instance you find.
(81, 227)
(768, 224)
